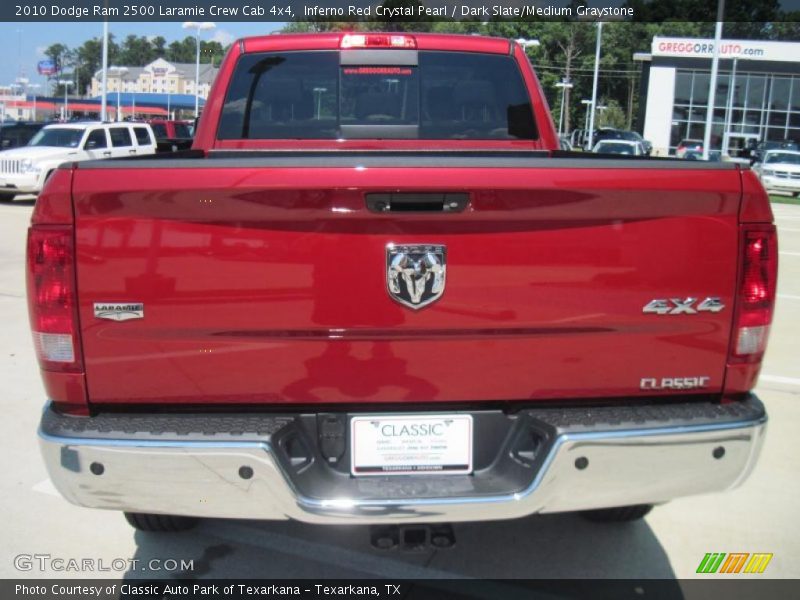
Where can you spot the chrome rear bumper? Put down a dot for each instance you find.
(582, 463)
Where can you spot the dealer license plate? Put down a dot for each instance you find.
(411, 444)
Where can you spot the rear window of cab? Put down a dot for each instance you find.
(310, 95)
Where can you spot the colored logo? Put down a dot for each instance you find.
(734, 562)
(46, 67)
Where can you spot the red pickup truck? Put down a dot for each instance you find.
(375, 292)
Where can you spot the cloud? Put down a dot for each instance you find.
(225, 38)
(40, 51)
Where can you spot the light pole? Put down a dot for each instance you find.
(120, 71)
(588, 104)
(729, 107)
(712, 82)
(564, 84)
(66, 83)
(594, 81)
(198, 27)
(34, 87)
(104, 91)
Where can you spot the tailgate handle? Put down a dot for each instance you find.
(417, 202)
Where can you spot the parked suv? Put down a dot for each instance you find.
(24, 170)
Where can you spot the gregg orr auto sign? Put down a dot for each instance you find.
(741, 49)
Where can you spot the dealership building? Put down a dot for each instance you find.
(757, 93)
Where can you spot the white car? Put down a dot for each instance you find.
(627, 147)
(780, 171)
(24, 170)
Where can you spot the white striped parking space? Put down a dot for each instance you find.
(788, 297)
(789, 253)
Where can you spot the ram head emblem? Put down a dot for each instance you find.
(415, 274)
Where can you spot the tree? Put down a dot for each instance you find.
(211, 52)
(612, 115)
(182, 51)
(159, 46)
(56, 52)
(136, 51)
(89, 59)
(323, 25)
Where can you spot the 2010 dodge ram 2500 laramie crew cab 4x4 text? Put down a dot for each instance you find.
(374, 291)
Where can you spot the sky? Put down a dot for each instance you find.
(24, 43)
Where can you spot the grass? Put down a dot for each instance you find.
(784, 199)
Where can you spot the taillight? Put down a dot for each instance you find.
(756, 292)
(378, 40)
(52, 301)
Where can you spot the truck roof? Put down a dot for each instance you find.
(332, 41)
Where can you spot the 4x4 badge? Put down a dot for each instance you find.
(415, 273)
(683, 306)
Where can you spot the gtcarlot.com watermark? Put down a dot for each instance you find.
(57, 564)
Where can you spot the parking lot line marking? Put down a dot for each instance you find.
(779, 379)
(789, 253)
(788, 297)
(46, 487)
(786, 228)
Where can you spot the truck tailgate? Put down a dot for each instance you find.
(265, 282)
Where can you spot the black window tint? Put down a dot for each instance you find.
(159, 130)
(306, 95)
(98, 136)
(120, 136)
(473, 96)
(288, 95)
(379, 96)
(182, 130)
(142, 136)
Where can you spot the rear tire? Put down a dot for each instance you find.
(6, 196)
(160, 523)
(618, 514)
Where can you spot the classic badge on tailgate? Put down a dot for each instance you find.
(415, 273)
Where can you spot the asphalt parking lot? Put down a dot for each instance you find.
(761, 516)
